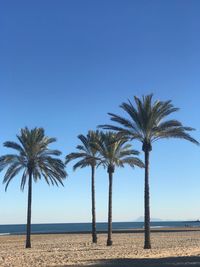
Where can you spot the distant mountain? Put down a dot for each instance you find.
(141, 219)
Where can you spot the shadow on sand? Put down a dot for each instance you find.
(162, 262)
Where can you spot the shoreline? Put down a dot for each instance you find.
(120, 231)
(117, 231)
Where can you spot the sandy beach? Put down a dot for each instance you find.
(169, 249)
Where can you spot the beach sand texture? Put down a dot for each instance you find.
(169, 249)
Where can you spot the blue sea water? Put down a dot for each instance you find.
(86, 227)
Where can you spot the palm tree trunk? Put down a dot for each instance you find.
(147, 241)
(109, 240)
(28, 226)
(94, 232)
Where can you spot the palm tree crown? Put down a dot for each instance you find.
(33, 156)
(146, 122)
(87, 152)
(114, 151)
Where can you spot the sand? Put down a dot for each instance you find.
(169, 249)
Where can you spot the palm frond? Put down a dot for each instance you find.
(14, 145)
(176, 132)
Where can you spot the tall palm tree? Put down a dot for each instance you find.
(35, 160)
(147, 123)
(87, 156)
(115, 152)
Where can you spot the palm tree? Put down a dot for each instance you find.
(115, 152)
(34, 158)
(87, 155)
(146, 123)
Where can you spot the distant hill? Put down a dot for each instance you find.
(141, 219)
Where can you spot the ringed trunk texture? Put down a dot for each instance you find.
(94, 232)
(147, 240)
(109, 240)
(28, 226)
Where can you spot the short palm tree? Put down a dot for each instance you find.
(35, 160)
(146, 123)
(115, 152)
(87, 156)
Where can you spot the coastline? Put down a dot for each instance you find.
(116, 231)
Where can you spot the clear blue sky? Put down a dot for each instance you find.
(65, 64)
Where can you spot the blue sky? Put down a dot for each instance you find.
(65, 64)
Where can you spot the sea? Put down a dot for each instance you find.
(53, 228)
